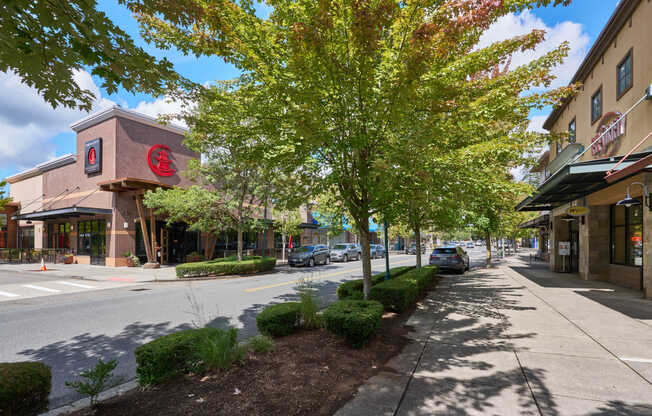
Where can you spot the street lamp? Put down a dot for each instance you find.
(629, 201)
(385, 225)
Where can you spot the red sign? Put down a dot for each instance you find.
(637, 239)
(610, 133)
(92, 157)
(159, 161)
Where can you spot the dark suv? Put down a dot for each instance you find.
(309, 256)
(450, 258)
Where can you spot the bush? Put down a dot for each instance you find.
(353, 289)
(97, 378)
(24, 388)
(225, 266)
(187, 351)
(399, 293)
(355, 320)
(261, 344)
(279, 320)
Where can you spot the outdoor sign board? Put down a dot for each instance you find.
(564, 248)
(93, 156)
(612, 132)
(158, 159)
(578, 211)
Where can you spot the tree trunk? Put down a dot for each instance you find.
(417, 237)
(211, 241)
(283, 253)
(487, 243)
(239, 241)
(363, 229)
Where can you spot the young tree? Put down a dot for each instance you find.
(343, 77)
(287, 222)
(46, 42)
(3, 200)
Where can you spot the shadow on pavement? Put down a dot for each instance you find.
(615, 407)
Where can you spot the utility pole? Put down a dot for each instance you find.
(385, 226)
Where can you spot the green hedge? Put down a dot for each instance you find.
(279, 320)
(399, 293)
(175, 354)
(226, 266)
(353, 289)
(355, 320)
(24, 388)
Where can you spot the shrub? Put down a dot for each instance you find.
(309, 308)
(225, 266)
(355, 320)
(190, 350)
(399, 293)
(24, 388)
(97, 380)
(261, 344)
(353, 289)
(279, 320)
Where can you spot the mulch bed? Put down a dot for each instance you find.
(312, 372)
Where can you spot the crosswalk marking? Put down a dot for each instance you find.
(9, 295)
(45, 289)
(75, 284)
(636, 360)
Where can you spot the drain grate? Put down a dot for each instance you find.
(139, 289)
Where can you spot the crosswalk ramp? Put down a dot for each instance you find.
(26, 290)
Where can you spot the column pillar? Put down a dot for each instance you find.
(647, 244)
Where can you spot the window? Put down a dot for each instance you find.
(627, 235)
(596, 105)
(624, 75)
(571, 131)
(91, 238)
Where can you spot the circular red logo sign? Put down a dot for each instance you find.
(92, 156)
(159, 161)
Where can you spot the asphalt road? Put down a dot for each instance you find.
(70, 331)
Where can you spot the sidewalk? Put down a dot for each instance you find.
(519, 340)
(96, 273)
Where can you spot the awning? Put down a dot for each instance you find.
(59, 213)
(575, 181)
(540, 221)
(131, 184)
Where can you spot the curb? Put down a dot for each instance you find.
(84, 403)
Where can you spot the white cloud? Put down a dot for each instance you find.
(162, 106)
(512, 25)
(536, 124)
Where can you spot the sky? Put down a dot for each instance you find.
(32, 132)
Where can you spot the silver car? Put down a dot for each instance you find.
(377, 251)
(309, 256)
(345, 252)
(450, 258)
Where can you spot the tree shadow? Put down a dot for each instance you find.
(470, 364)
(616, 407)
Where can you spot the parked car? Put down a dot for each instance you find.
(345, 252)
(377, 251)
(309, 256)
(470, 244)
(413, 249)
(450, 258)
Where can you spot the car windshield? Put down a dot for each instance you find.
(339, 247)
(445, 251)
(305, 249)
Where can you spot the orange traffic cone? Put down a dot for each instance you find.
(43, 268)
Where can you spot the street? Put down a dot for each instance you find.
(73, 327)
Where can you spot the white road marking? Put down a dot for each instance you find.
(45, 289)
(76, 285)
(9, 295)
(636, 360)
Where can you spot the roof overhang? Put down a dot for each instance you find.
(59, 213)
(540, 221)
(131, 184)
(117, 111)
(575, 181)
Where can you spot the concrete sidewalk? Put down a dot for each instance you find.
(519, 340)
(96, 273)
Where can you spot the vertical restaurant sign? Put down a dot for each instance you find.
(612, 132)
(93, 156)
(158, 159)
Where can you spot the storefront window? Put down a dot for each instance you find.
(91, 238)
(59, 235)
(627, 235)
(26, 237)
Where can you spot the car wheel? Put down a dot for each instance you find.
(345, 258)
(311, 262)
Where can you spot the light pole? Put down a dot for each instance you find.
(385, 226)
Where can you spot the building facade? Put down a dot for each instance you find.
(589, 231)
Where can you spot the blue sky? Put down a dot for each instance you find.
(33, 132)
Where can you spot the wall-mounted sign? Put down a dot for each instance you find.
(578, 211)
(93, 156)
(612, 132)
(564, 248)
(159, 161)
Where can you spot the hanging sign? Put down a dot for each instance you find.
(159, 160)
(612, 132)
(93, 156)
(564, 248)
(578, 211)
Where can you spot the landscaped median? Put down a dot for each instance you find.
(226, 266)
(306, 361)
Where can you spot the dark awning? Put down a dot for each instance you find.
(574, 181)
(58, 213)
(540, 221)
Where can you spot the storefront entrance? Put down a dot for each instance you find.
(92, 241)
(174, 243)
